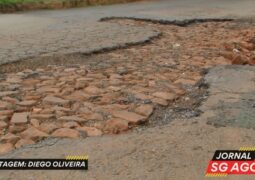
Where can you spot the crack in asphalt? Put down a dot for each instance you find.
(181, 23)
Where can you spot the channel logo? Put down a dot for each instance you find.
(232, 162)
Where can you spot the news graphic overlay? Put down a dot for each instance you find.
(69, 163)
(232, 162)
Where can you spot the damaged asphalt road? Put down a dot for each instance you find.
(180, 147)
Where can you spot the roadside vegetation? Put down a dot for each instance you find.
(19, 5)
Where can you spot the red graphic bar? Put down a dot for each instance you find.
(231, 167)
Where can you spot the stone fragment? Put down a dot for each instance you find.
(60, 84)
(160, 101)
(13, 87)
(142, 96)
(84, 110)
(96, 75)
(31, 97)
(70, 70)
(89, 105)
(6, 113)
(80, 85)
(27, 103)
(84, 79)
(4, 105)
(59, 108)
(108, 98)
(28, 89)
(19, 118)
(152, 83)
(8, 93)
(239, 60)
(248, 46)
(21, 109)
(71, 124)
(17, 128)
(179, 91)
(115, 76)
(185, 82)
(47, 111)
(33, 133)
(145, 110)
(3, 124)
(31, 82)
(9, 138)
(66, 133)
(90, 131)
(55, 101)
(37, 110)
(94, 116)
(49, 127)
(35, 123)
(227, 55)
(47, 85)
(60, 114)
(116, 125)
(76, 106)
(4, 118)
(10, 100)
(93, 90)
(24, 142)
(131, 117)
(221, 61)
(78, 96)
(165, 95)
(115, 82)
(5, 148)
(82, 72)
(229, 46)
(114, 88)
(122, 70)
(42, 116)
(252, 61)
(66, 91)
(72, 118)
(48, 90)
(13, 80)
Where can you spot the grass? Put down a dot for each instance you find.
(18, 5)
(13, 2)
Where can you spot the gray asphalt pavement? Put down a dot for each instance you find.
(47, 32)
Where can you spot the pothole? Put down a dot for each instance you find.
(91, 95)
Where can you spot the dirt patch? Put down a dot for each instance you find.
(152, 84)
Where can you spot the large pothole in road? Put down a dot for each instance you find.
(79, 96)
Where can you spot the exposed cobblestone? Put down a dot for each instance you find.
(90, 99)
